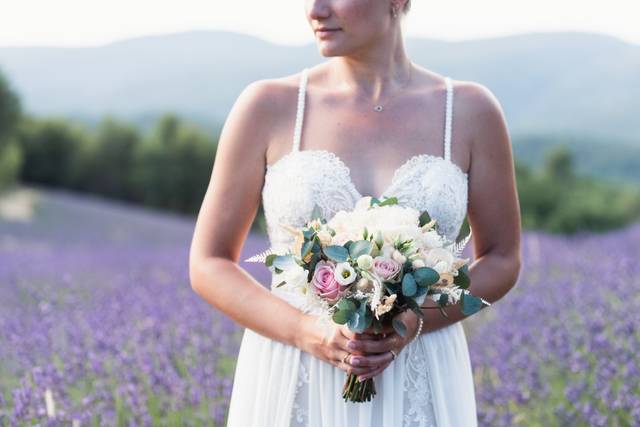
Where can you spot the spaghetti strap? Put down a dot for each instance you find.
(302, 89)
(448, 119)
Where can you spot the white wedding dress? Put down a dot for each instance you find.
(430, 384)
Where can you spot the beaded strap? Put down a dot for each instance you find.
(302, 88)
(448, 118)
(418, 331)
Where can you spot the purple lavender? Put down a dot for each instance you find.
(96, 306)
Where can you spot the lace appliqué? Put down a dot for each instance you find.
(417, 389)
(299, 411)
(432, 183)
(298, 181)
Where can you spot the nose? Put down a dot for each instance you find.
(318, 9)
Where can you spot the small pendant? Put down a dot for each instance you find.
(377, 108)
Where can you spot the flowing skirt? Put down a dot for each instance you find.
(429, 384)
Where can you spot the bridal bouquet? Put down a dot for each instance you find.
(365, 266)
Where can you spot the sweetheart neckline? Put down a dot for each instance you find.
(347, 169)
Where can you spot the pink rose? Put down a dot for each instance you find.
(386, 268)
(324, 281)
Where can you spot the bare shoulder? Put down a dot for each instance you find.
(262, 113)
(481, 112)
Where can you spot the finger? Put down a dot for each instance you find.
(371, 360)
(392, 341)
(345, 364)
(373, 373)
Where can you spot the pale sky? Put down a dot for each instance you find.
(96, 22)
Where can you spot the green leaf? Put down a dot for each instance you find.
(341, 317)
(316, 213)
(444, 298)
(307, 233)
(360, 319)
(281, 283)
(365, 233)
(426, 276)
(344, 311)
(424, 218)
(462, 279)
(284, 262)
(399, 327)
(389, 201)
(337, 253)
(470, 304)
(359, 247)
(306, 248)
(413, 306)
(269, 260)
(409, 285)
(345, 304)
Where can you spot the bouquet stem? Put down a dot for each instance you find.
(356, 391)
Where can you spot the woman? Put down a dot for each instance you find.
(375, 124)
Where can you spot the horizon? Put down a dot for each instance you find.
(98, 23)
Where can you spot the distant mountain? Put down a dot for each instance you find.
(571, 83)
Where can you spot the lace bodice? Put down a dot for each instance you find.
(303, 178)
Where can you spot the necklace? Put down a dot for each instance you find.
(378, 107)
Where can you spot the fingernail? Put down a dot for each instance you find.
(355, 362)
(352, 345)
(361, 379)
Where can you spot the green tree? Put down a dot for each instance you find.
(10, 154)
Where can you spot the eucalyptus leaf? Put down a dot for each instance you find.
(426, 276)
(341, 317)
(470, 304)
(336, 253)
(359, 247)
(316, 213)
(462, 279)
(399, 327)
(306, 248)
(409, 285)
(284, 262)
(444, 298)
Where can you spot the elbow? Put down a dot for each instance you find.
(197, 274)
(512, 269)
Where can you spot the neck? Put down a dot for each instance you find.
(372, 80)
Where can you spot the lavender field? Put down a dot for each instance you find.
(99, 325)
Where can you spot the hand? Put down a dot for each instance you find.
(378, 351)
(329, 342)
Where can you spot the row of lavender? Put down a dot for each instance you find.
(98, 326)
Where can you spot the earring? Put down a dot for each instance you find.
(394, 11)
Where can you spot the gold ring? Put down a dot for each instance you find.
(393, 353)
(344, 359)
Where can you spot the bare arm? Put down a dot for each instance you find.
(225, 217)
(228, 209)
(493, 210)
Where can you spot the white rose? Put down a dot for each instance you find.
(417, 263)
(365, 261)
(432, 239)
(440, 260)
(397, 256)
(325, 237)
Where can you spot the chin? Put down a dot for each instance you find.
(329, 51)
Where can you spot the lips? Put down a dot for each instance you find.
(326, 31)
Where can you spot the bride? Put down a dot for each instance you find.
(374, 124)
